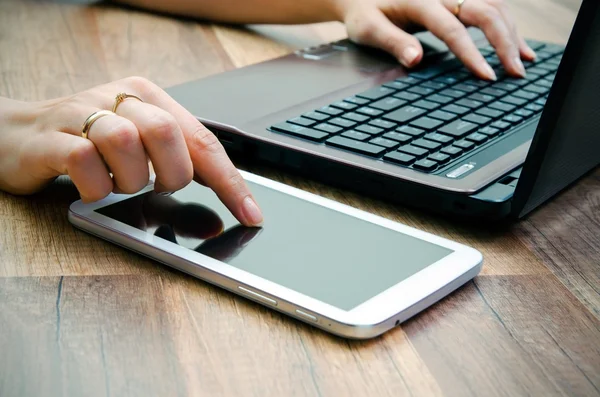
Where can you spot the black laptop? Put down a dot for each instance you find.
(435, 137)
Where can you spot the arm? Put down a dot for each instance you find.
(380, 23)
(249, 11)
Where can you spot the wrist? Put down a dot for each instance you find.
(339, 9)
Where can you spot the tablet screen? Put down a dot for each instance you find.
(314, 250)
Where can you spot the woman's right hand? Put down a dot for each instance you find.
(40, 141)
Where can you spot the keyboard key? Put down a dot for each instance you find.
(515, 81)
(407, 96)
(302, 121)
(405, 114)
(359, 136)
(464, 145)
(398, 136)
(502, 85)
(476, 119)
(388, 104)
(386, 125)
(433, 85)
(440, 158)
(538, 71)
(344, 105)
(513, 100)
(344, 123)
(300, 131)
(369, 129)
(465, 87)
(481, 98)
(330, 111)
(512, 118)
(408, 80)
(477, 83)
(525, 95)
(413, 151)
(469, 103)
(440, 138)
(355, 146)
(420, 90)
(397, 85)
(357, 101)
(536, 89)
(493, 92)
(489, 131)
(359, 118)
(316, 116)
(425, 165)
(427, 105)
(425, 144)
(477, 138)
(460, 110)
(544, 83)
(524, 113)
(441, 115)
(540, 101)
(491, 113)
(386, 143)
(501, 106)
(414, 132)
(453, 93)
(439, 98)
(400, 158)
(376, 93)
(458, 128)
(534, 107)
(448, 80)
(452, 151)
(426, 123)
(328, 128)
(500, 125)
(369, 111)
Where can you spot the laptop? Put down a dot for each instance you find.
(435, 137)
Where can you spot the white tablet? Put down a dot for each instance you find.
(332, 266)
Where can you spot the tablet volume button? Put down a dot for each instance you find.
(306, 315)
(257, 296)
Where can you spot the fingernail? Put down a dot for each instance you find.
(164, 194)
(531, 53)
(409, 56)
(489, 72)
(519, 66)
(252, 213)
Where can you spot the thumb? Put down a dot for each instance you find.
(376, 30)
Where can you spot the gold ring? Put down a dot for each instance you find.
(92, 119)
(459, 5)
(120, 98)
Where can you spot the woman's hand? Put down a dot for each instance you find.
(40, 141)
(380, 23)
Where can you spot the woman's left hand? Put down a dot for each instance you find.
(384, 24)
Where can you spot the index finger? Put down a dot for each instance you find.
(208, 156)
(445, 26)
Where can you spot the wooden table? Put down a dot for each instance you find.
(79, 316)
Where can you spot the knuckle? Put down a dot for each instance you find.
(205, 141)
(140, 85)
(490, 16)
(123, 135)
(235, 181)
(453, 33)
(80, 154)
(164, 128)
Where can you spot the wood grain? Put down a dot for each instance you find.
(79, 316)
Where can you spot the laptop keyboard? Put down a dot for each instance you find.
(433, 117)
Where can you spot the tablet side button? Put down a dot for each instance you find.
(257, 296)
(306, 315)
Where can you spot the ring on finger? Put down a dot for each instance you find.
(459, 5)
(120, 98)
(87, 125)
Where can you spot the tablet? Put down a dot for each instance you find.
(335, 267)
